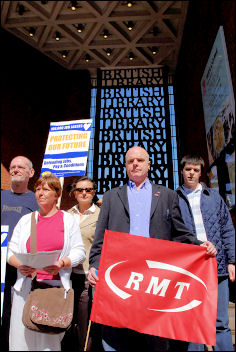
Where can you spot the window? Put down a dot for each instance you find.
(133, 115)
(173, 137)
(91, 143)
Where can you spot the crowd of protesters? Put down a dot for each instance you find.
(196, 215)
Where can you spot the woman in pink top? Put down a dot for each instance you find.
(56, 230)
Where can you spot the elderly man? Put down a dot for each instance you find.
(139, 208)
(15, 203)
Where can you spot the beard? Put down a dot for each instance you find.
(17, 180)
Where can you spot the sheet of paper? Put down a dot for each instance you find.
(39, 260)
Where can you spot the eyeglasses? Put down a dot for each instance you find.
(87, 190)
(17, 167)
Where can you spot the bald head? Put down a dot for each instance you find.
(137, 149)
(137, 164)
(23, 159)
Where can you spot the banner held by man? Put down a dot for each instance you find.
(155, 287)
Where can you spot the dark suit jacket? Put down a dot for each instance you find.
(165, 218)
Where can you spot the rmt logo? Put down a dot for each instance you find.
(156, 285)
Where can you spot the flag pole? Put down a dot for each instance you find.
(87, 336)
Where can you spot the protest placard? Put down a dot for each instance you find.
(67, 148)
(4, 240)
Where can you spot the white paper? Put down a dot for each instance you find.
(38, 260)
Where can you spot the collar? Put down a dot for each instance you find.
(19, 193)
(132, 184)
(189, 190)
(90, 210)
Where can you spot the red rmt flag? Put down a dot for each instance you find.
(157, 287)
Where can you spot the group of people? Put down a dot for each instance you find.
(196, 215)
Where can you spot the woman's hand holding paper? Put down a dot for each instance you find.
(26, 270)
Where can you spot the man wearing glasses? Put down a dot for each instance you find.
(15, 203)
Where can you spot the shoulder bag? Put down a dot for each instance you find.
(47, 309)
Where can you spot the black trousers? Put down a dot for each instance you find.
(75, 337)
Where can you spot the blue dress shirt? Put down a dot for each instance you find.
(139, 208)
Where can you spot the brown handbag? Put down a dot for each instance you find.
(46, 309)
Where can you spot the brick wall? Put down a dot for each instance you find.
(5, 178)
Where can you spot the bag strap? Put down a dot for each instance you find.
(33, 248)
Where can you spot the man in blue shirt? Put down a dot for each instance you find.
(15, 203)
(139, 208)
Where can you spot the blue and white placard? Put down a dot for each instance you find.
(67, 148)
(4, 240)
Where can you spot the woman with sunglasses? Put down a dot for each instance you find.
(86, 213)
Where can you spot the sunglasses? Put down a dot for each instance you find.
(87, 190)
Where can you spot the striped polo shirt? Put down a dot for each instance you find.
(194, 197)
